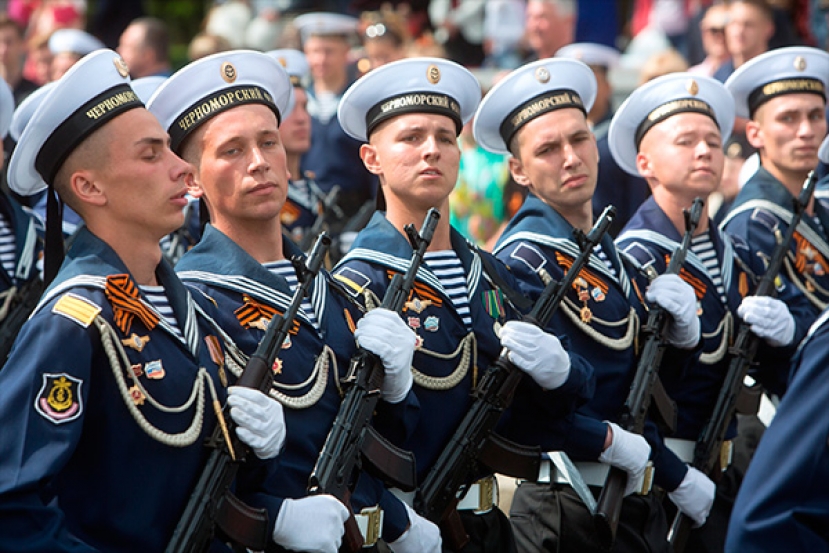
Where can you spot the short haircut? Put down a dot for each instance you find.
(762, 5)
(156, 37)
(563, 7)
(7, 22)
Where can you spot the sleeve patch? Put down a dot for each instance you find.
(354, 281)
(739, 242)
(765, 218)
(60, 400)
(641, 254)
(529, 256)
(78, 309)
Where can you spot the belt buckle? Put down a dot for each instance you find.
(374, 520)
(486, 488)
(726, 454)
(647, 479)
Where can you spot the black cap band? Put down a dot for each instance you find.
(209, 106)
(296, 81)
(763, 94)
(545, 102)
(78, 126)
(669, 109)
(414, 102)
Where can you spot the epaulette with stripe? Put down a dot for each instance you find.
(77, 309)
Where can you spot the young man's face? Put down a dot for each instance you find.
(748, 30)
(295, 129)
(241, 170)
(327, 56)
(557, 159)
(144, 181)
(683, 155)
(416, 156)
(788, 131)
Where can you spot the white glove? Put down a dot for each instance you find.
(313, 523)
(383, 333)
(629, 452)
(537, 353)
(422, 536)
(259, 419)
(694, 496)
(769, 319)
(677, 297)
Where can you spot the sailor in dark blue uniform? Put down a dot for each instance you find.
(671, 130)
(783, 504)
(306, 202)
(326, 41)
(243, 264)
(104, 413)
(783, 93)
(537, 113)
(410, 113)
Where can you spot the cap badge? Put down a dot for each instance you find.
(692, 87)
(121, 66)
(734, 150)
(800, 63)
(433, 74)
(542, 75)
(228, 72)
(283, 62)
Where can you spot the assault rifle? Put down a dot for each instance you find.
(212, 505)
(646, 384)
(475, 446)
(19, 304)
(742, 352)
(353, 444)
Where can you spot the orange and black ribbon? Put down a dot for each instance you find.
(126, 303)
(802, 261)
(697, 284)
(421, 290)
(593, 280)
(253, 311)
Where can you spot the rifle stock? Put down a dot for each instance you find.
(742, 353)
(474, 441)
(634, 413)
(211, 504)
(22, 302)
(347, 448)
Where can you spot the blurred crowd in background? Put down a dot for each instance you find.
(626, 43)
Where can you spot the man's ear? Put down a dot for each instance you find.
(516, 169)
(86, 188)
(368, 153)
(193, 186)
(754, 135)
(643, 165)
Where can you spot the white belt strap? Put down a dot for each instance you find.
(573, 477)
(684, 449)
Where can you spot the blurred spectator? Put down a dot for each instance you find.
(747, 34)
(669, 16)
(819, 22)
(601, 59)
(12, 55)
(459, 27)
(229, 20)
(712, 30)
(205, 44)
(49, 15)
(145, 47)
(477, 202)
(38, 67)
(264, 30)
(68, 46)
(550, 24)
(662, 63)
(503, 30)
(385, 38)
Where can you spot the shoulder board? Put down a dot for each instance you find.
(529, 255)
(765, 218)
(77, 308)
